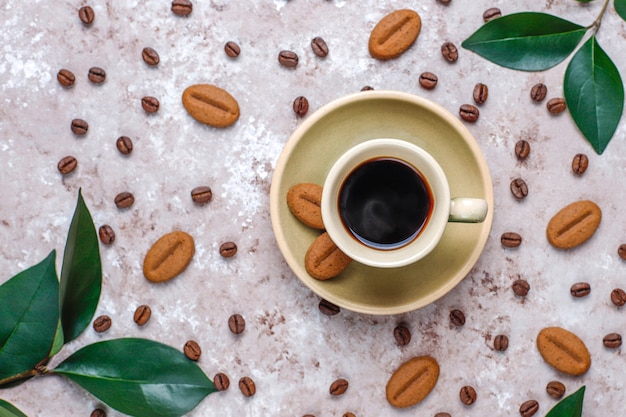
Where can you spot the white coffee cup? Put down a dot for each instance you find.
(377, 251)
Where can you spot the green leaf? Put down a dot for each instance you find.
(81, 274)
(620, 8)
(8, 410)
(527, 41)
(594, 94)
(570, 406)
(29, 312)
(138, 377)
(58, 340)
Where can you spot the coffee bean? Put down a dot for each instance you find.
(98, 412)
(510, 240)
(319, 46)
(288, 59)
(402, 334)
(428, 80)
(124, 200)
(443, 415)
(449, 52)
(481, 93)
(338, 387)
(529, 408)
(348, 414)
(66, 77)
(228, 249)
(519, 189)
(107, 235)
(201, 194)
(247, 386)
(182, 7)
(491, 13)
(221, 381)
(501, 343)
(520, 287)
(612, 340)
(79, 127)
(150, 104)
(96, 75)
(236, 323)
(467, 395)
(124, 144)
(86, 15)
(580, 289)
(328, 308)
(192, 350)
(580, 163)
(621, 251)
(102, 324)
(618, 297)
(367, 88)
(445, 1)
(555, 389)
(556, 105)
(142, 315)
(522, 149)
(457, 317)
(469, 113)
(67, 164)
(538, 92)
(301, 106)
(232, 49)
(150, 56)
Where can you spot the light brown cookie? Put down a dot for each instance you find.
(211, 105)
(574, 224)
(304, 202)
(168, 256)
(324, 260)
(412, 381)
(394, 34)
(563, 350)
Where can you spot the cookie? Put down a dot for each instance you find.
(324, 260)
(412, 381)
(211, 105)
(574, 224)
(304, 202)
(394, 34)
(168, 256)
(563, 350)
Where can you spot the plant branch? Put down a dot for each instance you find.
(38, 370)
(596, 23)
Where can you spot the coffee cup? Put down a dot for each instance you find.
(386, 203)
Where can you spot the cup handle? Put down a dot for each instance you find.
(467, 210)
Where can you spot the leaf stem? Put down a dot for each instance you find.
(596, 23)
(23, 375)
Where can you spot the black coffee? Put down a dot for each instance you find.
(385, 203)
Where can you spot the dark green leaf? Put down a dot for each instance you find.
(8, 410)
(81, 274)
(594, 94)
(58, 340)
(570, 406)
(29, 312)
(527, 41)
(620, 8)
(138, 377)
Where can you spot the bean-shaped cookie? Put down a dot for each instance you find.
(574, 224)
(168, 256)
(324, 260)
(394, 34)
(412, 381)
(304, 202)
(211, 105)
(563, 350)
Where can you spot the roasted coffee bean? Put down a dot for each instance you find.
(467, 394)
(621, 251)
(522, 149)
(328, 308)
(469, 113)
(445, 1)
(510, 239)
(457, 317)
(150, 56)
(124, 144)
(232, 49)
(529, 408)
(319, 46)
(481, 93)
(612, 340)
(247, 386)
(367, 88)
(236, 323)
(449, 52)
(150, 104)
(192, 350)
(228, 249)
(519, 189)
(520, 287)
(580, 163)
(98, 412)
(142, 314)
(96, 75)
(491, 13)
(182, 7)
(618, 297)
(402, 334)
(102, 324)
(301, 106)
(221, 381)
(66, 77)
(538, 92)
(348, 414)
(86, 15)
(555, 389)
(124, 200)
(67, 164)
(556, 105)
(201, 194)
(501, 343)
(338, 387)
(428, 80)
(288, 59)
(443, 415)
(79, 127)
(107, 235)
(580, 289)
